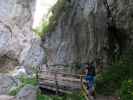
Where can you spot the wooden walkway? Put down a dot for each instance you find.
(62, 82)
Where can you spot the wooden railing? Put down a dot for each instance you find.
(76, 78)
(84, 89)
(60, 79)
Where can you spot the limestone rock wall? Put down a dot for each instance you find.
(84, 31)
(79, 35)
(16, 36)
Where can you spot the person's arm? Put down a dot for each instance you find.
(82, 68)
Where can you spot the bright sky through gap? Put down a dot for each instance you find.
(41, 10)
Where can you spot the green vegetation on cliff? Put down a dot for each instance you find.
(54, 15)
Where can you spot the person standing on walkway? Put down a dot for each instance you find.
(90, 78)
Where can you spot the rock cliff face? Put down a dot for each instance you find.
(122, 11)
(16, 36)
(80, 33)
(89, 29)
(85, 30)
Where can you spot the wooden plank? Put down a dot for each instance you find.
(62, 81)
(85, 89)
(54, 89)
(62, 85)
(84, 94)
(63, 73)
(72, 79)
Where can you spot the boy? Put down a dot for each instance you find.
(90, 78)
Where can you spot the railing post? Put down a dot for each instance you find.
(56, 82)
(37, 73)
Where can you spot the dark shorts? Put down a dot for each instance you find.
(90, 82)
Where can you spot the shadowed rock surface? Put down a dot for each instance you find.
(88, 29)
(79, 35)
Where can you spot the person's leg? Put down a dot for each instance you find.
(93, 87)
(90, 85)
(91, 90)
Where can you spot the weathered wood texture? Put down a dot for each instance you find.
(59, 79)
(62, 80)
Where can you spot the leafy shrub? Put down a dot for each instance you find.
(31, 81)
(15, 91)
(25, 81)
(73, 96)
(43, 97)
(110, 81)
(126, 91)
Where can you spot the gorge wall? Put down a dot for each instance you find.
(84, 30)
(17, 41)
(90, 29)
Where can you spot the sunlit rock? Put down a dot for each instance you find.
(6, 83)
(7, 97)
(28, 92)
(16, 35)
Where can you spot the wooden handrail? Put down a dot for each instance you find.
(74, 63)
(84, 89)
(78, 75)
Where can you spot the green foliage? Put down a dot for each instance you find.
(15, 91)
(55, 11)
(31, 81)
(25, 81)
(109, 82)
(42, 29)
(41, 97)
(45, 97)
(74, 96)
(126, 91)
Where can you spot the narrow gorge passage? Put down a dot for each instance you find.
(70, 49)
